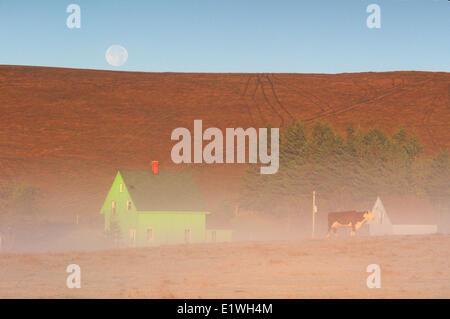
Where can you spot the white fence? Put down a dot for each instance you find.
(414, 229)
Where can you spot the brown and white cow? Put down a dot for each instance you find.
(351, 219)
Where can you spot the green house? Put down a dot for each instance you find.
(147, 208)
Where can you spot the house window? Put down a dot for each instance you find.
(149, 235)
(121, 188)
(213, 236)
(128, 205)
(187, 235)
(113, 207)
(133, 237)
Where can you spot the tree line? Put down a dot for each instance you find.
(346, 170)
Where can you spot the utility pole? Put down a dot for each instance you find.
(314, 212)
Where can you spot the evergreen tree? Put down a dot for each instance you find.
(356, 168)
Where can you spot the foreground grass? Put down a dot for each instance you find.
(411, 267)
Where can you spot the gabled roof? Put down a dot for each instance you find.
(165, 191)
(379, 213)
(410, 210)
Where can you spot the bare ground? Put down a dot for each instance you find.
(411, 267)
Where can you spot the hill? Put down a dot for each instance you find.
(67, 131)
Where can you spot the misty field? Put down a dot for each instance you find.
(411, 267)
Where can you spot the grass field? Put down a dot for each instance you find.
(411, 267)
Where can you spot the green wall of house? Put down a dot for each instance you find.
(170, 227)
(125, 218)
(167, 227)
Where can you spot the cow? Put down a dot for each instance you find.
(351, 219)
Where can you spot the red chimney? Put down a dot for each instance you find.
(155, 167)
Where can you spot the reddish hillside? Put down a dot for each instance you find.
(67, 131)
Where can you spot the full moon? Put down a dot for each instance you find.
(116, 55)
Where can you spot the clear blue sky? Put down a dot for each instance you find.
(310, 36)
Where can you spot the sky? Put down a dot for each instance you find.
(283, 36)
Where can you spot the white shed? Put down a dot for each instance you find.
(381, 225)
(405, 215)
